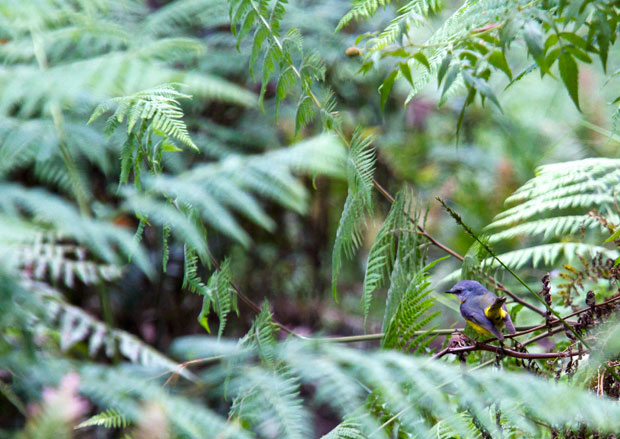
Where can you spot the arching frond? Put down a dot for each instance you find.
(107, 241)
(218, 190)
(75, 325)
(545, 255)
(554, 204)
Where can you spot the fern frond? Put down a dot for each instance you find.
(550, 227)
(409, 260)
(383, 251)
(345, 430)
(162, 213)
(123, 390)
(546, 255)
(361, 9)
(218, 190)
(109, 242)
(75, 325)
(271, 403)
(360, 170)
(262, 337)
(280, 54)
(416, 389)
(554, 204)
(110, 418)
(219, 294)
(59, 262)
(159, 106)
(410, 16)
(409, 316)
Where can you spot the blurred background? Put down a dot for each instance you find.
(291, 265)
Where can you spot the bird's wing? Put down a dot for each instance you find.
(475, 313)
(508, 322)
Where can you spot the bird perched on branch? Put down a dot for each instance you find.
(482, 309)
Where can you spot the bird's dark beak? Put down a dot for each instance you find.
(450, 292)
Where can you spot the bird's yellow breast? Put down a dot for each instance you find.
(479, 329)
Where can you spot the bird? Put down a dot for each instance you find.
(482, 309)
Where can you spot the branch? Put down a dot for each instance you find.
(479, 346)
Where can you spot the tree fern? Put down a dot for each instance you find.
(360, 170)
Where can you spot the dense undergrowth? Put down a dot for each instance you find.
(219, 219)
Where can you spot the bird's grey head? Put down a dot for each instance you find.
(467, 288)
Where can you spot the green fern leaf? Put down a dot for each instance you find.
(110, 418)
(360, 170)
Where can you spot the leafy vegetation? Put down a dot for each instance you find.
(203, 202)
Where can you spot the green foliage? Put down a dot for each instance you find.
(65, 59)
(158, 106)
(284, 58)
(407, 307)
(219, 294)
(383, 251)
(473, 43)
(217, 190)
(345, 430)
(38, 211)
(424, 397)
(547, 205)
(409, 317)
(270, 402)
(360, 170)
(75, 325)
(123, 390)
(110, 418)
